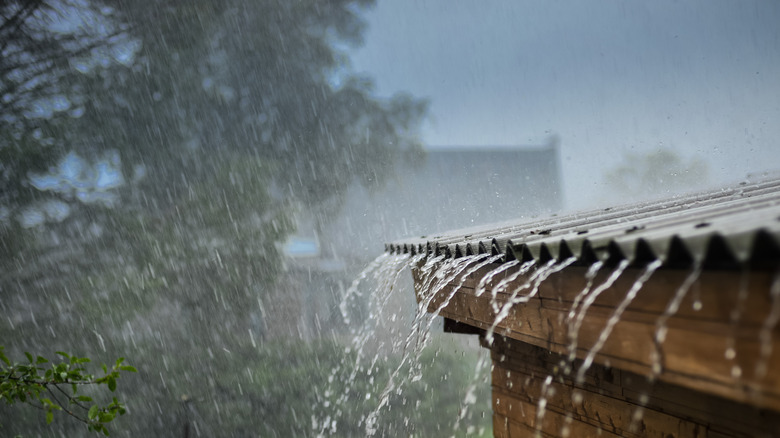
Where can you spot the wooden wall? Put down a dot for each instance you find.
(708, 386)
(610, 403)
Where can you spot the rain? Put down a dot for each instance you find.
(200, 194)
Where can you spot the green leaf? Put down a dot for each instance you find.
(49, 417)
(93, 411)
(63, 354)
(112, 383)
(41, 359)
(29, 356)
(84, 398)
(4, 358)
(119, 362)
(128, 368)
(106, 417)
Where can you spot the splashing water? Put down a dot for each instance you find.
(435, 281)
(767, 328)
(659, 337)
(590, 298)
(497, 308)
(385, 271)
(657, 361)
(465, 274)
(438, 279)
(536, 279)
(353, 290)
(590, 275)
(482, 285)
(730, 352)
(615, 318)
(503, 284)
(542, 405)
(470, 399)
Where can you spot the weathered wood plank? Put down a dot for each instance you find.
(694, 353)
(610, 398)
(500, 426)
(524, 425)
(717, 291)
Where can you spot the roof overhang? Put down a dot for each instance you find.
(723, 228)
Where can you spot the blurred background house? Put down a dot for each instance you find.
(453, 187)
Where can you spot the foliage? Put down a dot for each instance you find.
(210, 79)
(229, 119)
(37, 384)
(44, 45)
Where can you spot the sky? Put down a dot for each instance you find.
(608, 77)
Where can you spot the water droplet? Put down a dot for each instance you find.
(730, 353)
(697, 305)
(660, 335)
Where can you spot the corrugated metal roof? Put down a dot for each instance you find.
(723, 228)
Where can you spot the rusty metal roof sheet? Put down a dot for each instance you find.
(724, 228)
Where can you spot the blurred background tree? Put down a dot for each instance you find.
(154, 156)
(657, 173)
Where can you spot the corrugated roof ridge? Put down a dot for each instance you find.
(718, 228)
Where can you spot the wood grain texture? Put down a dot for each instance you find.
(611, 402)
(708, 384)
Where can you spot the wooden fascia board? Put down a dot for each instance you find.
(694, 352)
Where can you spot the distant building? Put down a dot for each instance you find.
(454, 187)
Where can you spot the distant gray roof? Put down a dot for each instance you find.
(723, 228)
(453, 187)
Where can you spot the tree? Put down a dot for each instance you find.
(229, 118)
(44, 45)
(35, 384)
(655, 174)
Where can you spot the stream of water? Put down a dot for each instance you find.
(377, 285)
(589, 297)
(375, 282)
(661, 328)
(615, 318)
(768, 327)
(438, 280)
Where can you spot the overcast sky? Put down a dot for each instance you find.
(607, 76)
